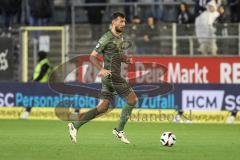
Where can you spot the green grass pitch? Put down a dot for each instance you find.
(49, 140)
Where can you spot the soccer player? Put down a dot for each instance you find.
(110, 46)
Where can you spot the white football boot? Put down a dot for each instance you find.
(72, 132)
(120, 135)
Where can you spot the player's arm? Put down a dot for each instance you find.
(94, 59)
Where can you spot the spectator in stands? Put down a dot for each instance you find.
(40, 12)
(184, 16)
(201, 6)
(150, 45)
(40, 75)
(222, 16)
(95, 15)
(234, 6)
(10, 8)
(205, 29)
(222, 30)
(136, 32)
(136, 26)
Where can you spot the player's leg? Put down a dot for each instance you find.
(106, 96)
(131, 101)
(124, 90)
(101, 108)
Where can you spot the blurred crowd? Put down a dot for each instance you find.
(144, 18)
(26, 12)
(208, 17)
(40, 12)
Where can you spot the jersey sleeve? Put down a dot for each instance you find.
(101, 44)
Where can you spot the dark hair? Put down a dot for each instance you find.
(116, 15)
(42, 54)
(186, 6)
(136, 17)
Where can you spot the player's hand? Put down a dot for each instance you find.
(103, 72)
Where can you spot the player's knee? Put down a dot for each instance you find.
(103, 106)
(133, 102)
(102, 109)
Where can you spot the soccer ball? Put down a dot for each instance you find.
(168, 139)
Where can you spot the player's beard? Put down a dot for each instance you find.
(119, 29)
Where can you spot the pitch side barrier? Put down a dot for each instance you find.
(199, 102)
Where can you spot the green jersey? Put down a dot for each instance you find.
(110, 46)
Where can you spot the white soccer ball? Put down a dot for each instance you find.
(168, 139)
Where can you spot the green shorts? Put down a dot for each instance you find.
(114, 86)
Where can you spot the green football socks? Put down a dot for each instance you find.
(126, 113)
(91, 114)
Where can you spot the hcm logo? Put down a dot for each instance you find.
(202, 100)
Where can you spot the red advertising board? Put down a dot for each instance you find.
(148, 69)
